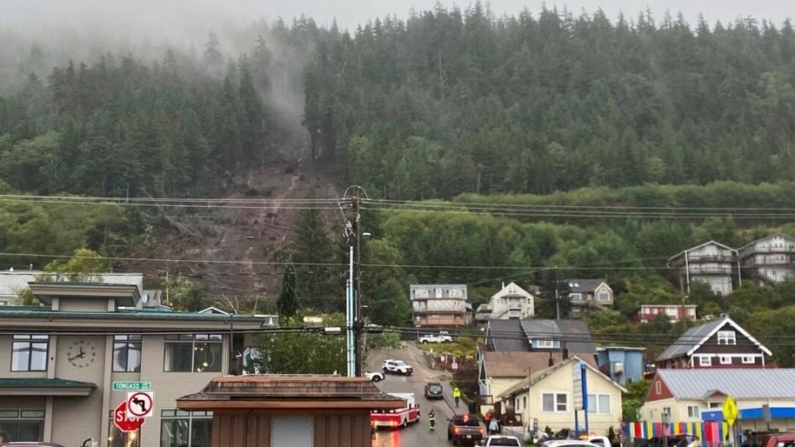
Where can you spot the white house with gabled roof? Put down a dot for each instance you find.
(769, 259)
(710, 262)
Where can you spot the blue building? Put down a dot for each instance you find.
(622, 364)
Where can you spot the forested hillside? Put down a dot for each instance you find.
(454, 101)
(532, 144)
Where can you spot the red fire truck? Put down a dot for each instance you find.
(397, 418)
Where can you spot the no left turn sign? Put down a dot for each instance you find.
(141, 404)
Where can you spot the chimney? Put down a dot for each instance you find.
(503, 284)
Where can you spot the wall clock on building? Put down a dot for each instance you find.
(81, 354)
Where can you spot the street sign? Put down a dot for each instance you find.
(730, 411)
(140, 403)
(132, 386)
(576, 378)
(124, 421)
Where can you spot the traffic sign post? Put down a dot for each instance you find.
(730, 411)
(124, 421)
(141, 404)
(132, 386)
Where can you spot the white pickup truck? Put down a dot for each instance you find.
(501, 440)
(435, 338)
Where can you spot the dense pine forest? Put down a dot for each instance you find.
(454, 101)
(578, 144)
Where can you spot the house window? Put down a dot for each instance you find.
(293, 431)
(29, 352)
(691, 312)
(692, 411)
(725, 360)
(576, 297)
(727, 338)
(658, 388)
(604, 296)
(545, 344)
(705, 360)
(646, 310)
(671, 311)
(749, 359)
(183, 429)
(193, 353)
(555, 402)
(127, 353)
(599, 403)
(667, 411)
(21, 425)
(715, 405)
(524, 402)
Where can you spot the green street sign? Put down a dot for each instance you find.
(132, 386)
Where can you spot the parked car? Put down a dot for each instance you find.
(434, 390)
(569, 443)
(777, 440)
(502, 440)
(375, 376)
(435, 338)
(392, 366)
(672, 441)
(464, 428)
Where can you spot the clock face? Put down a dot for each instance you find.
(81, 354)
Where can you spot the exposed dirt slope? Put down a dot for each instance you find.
(236, 240)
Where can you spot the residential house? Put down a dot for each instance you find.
(551, 396)
(289, 410)
(674, 312)
(512, 302)
(12, 282)
(499, 371)
(769, 259)
(589, 296)
(710, 262)
(65, 356)
(721, 343)
(687, 395)
(622, 364)
(439, 305)
(539, 335)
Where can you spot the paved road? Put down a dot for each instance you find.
(418, 435)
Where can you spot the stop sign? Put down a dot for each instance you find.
(124, 421)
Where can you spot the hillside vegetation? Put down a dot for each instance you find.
(524, 145)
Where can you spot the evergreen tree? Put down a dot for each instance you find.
(312, 244)
(287, 302)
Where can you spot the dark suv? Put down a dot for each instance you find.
(434, 390)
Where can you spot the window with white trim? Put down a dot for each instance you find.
(705, 360)
(749, 359)
(555, 402)
(576, 297)
(693, 411)
(545, 344)
(599, 403)
(727, 338)
(725, 360)
(658, 388)
(29, 352)
(604, 296)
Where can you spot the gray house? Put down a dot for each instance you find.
(439, 305)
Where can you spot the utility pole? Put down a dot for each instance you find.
(358, 323)
(557, 292)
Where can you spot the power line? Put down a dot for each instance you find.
(455, 203)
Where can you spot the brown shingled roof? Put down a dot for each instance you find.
(516, 364)
(289, 391)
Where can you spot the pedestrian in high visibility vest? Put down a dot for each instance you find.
(456, 396)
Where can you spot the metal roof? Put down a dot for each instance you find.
(696, 336)
(699, 246)
(43, 383)
(749, 383)
(584, 285)
(513, 335)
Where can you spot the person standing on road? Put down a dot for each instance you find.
(456, 396)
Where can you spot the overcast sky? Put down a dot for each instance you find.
(349, 13)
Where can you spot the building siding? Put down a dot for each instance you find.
(663, 393)
(561, 382)
(652, 411)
